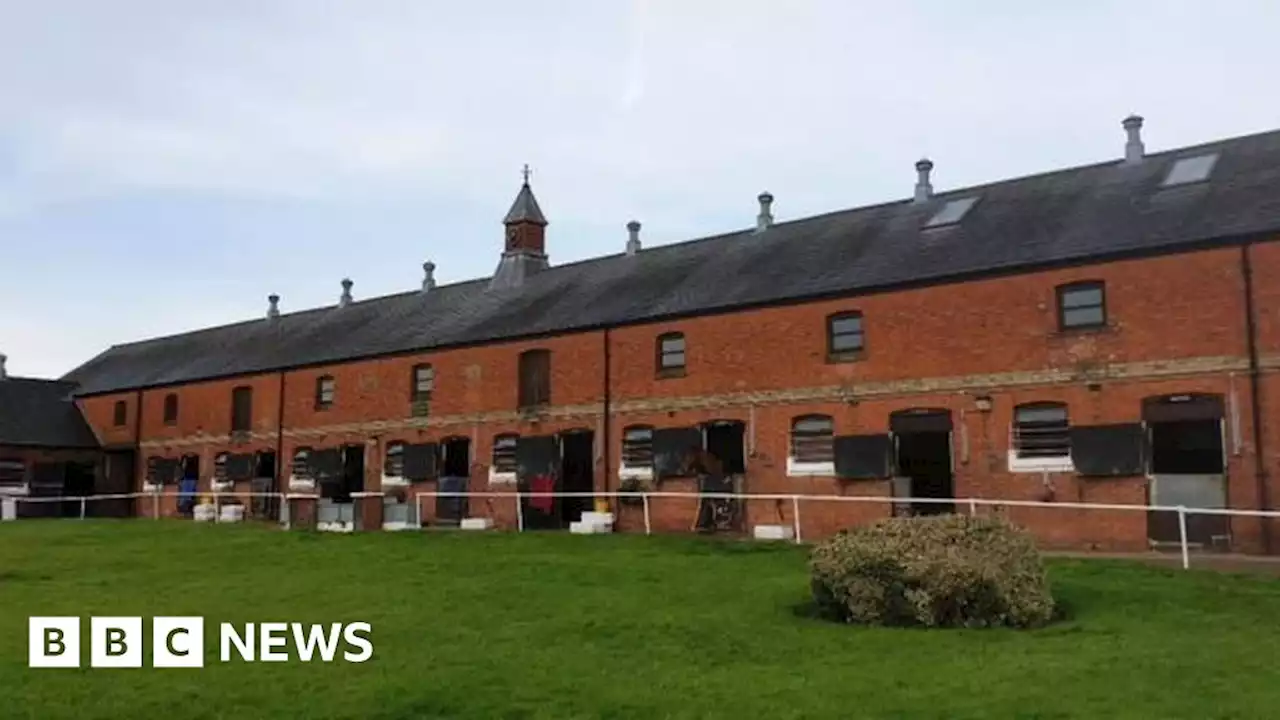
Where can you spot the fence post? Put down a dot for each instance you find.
(648, 529)
(1182, 537)
(155, 505)
(973, 507)
(795, 515)
(217, 507)
(519, 514)
(82, 503)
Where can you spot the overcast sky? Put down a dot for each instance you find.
(167, 164)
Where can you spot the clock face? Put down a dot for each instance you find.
(511, 234)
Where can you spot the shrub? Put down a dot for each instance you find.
(943, 571)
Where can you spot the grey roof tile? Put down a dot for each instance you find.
(525, 208)
(41, 413)
(1070, 215)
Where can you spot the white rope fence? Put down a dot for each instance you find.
(155, 499)
(646, 498)
(797, 499)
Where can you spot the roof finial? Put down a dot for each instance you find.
(526, 172)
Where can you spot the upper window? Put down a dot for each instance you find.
(637, 447)
(171, 409)
(424, 381)
(325, 387)
(671, 357)
(951, 213)
(504, 453)
(1189, 170)
(844, 335)
(241, 409)
(812, 440)
(120, 413)
(394, 465)
(535, 378)
(13, 473)
(1082, 305)
(1041, 437)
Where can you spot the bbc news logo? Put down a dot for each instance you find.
(178, 642)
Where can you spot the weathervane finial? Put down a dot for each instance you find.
(526, 172)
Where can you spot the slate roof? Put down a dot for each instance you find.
(1078, 215)
(41, 413)
(525, 208)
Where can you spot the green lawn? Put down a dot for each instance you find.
(559, 626)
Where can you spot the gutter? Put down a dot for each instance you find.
(280, 436)
(1255, 395)
(608, 435)
(139, 464)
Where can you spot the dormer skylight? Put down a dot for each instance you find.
(1189, 170)
(951, 213)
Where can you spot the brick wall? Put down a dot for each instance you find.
(1176, 325)
(31, 456)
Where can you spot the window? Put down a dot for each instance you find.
(325, 386)
(951, 213)
(1189, 170)
(13, 473)
(120, 414)
(424, 382)
(504, 457)
(394, 465)
(637, 451)
(171, 409)
(844, 336)
(671, 356)
(241, 409)
(812, 446)
(535, 378)
(301, 467)
(1082, 305)
(1041, 438)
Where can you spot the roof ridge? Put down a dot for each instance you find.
(704, 238)
(33, 380)
(824, 237)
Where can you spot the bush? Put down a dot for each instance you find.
(944, 571)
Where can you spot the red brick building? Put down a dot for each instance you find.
(46, 449)
(1102, 334)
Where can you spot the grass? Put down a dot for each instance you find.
(558, 626)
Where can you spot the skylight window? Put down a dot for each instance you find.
(951, 213)
(1190, 170)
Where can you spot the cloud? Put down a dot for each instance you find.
(360, 136)
(633, 87)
